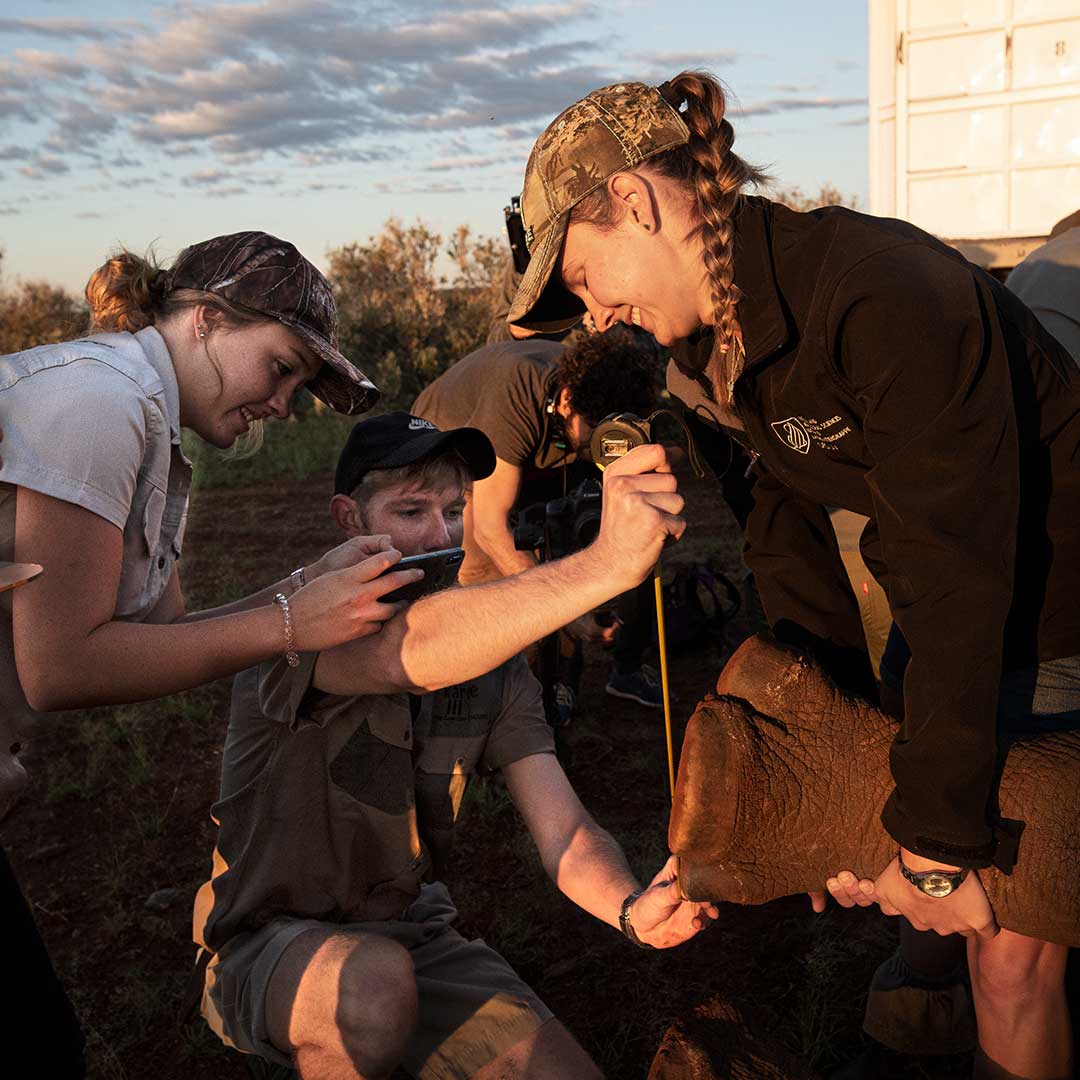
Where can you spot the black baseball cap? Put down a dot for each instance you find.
(398, 438)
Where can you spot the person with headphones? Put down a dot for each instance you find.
(538, 402)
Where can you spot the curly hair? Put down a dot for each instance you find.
(617, 371)
(714, 177)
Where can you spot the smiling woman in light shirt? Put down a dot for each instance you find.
(94, 488)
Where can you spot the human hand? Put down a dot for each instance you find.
(661, 918)
(586, 628)
(345, 604)
(349, 553)
(641, 508)
(967, 911)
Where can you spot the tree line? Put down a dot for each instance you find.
(401, 319)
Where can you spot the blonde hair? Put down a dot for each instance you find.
(715, 177)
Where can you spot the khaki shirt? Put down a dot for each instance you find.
(94, 422)
(338, 808)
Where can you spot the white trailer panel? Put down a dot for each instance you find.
(975, 119)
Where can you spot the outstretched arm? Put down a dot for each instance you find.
(70, 652)
(460, 634)
(588, 865)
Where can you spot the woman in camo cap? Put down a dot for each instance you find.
(865, 365)
(94, 488)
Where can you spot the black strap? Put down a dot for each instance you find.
(672, 96)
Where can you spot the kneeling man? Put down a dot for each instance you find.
(327, 937)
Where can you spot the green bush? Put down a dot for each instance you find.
(401, 322)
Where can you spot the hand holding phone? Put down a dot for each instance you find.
(440, 571)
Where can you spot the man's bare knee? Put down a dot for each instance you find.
(343, 1002)
(376, 1005)
(1011, 968)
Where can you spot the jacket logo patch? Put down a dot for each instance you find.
(792, 433)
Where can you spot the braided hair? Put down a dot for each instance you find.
(715, 178)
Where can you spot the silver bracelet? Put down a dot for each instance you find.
(291, 655)
(297, 579)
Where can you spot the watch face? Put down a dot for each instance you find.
(936, 885)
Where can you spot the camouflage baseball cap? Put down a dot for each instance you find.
(263, 274)
(611, 130)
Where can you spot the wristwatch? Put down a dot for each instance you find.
(936, 883)
(624, 921)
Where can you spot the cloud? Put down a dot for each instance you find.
(227, 181)
(44, 166)
(476, 162)
(794, 104)
(55, 65)
(89, 215)
(300, 85)
(206, 176)
(674, 62)
(55, 27)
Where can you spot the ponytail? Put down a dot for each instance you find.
(129, 292)
(126, 293)
(715, 177)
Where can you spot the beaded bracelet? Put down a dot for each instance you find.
(291, 656)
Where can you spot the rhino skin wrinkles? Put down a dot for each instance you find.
(782, 780)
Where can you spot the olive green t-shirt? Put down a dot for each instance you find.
(505, 390)
(337, 808)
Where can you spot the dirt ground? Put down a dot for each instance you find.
(119, 816)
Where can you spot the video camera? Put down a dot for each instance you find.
(562, 526)
(515, 230)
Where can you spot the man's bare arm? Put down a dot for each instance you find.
(588, 865)
(460, 634)
(489, 508)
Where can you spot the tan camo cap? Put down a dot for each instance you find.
(611, 130)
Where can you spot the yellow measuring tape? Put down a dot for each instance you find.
(661, 641)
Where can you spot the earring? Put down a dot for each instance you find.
(201, 330)
(647, 228)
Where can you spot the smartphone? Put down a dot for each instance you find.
(440, 570)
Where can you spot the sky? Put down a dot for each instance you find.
(317, 120)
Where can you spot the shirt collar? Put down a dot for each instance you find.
(157, 352)
(761, 315)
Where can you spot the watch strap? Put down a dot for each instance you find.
(297, 579)
(935, 882)
(626, 925)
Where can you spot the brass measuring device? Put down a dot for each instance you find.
(614, 437)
